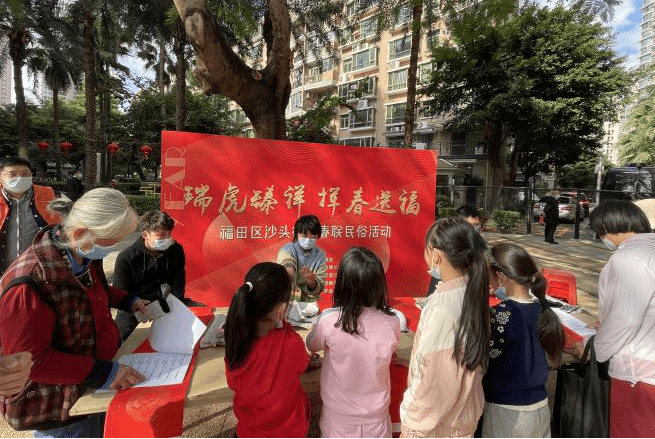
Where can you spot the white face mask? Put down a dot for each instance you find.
(17, 185)
(609, 244)
(435, 272)
(163, 244)
(307, 243)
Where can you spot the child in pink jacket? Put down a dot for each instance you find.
(359, 336)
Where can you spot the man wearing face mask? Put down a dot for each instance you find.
(150, 268)
(22, 209)
(304, 261)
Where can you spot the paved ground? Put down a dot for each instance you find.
(583, 257)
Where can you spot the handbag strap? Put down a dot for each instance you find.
(589, 347)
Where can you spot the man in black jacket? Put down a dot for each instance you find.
(151, 268)
(551, 216)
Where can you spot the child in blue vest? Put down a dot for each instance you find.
(523, 331)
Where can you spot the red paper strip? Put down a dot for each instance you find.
(151, 411)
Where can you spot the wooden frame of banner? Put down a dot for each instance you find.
(208, 383)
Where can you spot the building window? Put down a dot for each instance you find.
(397, 80)
(395, 113)
(346, 36)
(360, 119)
(424, 73)
(347, 65)
(404, 16)
(295, 103)
(367, 27)
(357, 89)
(357, 141)
(367, 58)
(400, 47)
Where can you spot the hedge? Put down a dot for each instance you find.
(144, 203)
(506, 220)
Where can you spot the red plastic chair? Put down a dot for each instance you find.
(561, 285)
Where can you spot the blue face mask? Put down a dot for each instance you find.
(501, 293)
(307, 243)
(435, 272)
(96, 252)
(609, 244)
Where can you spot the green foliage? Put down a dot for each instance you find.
(315, 125)
(638, 144)
(445, 212)
(580, 174)
(547, 76)
(506, 220)
(144, 203)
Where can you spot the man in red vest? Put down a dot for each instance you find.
(22, 208)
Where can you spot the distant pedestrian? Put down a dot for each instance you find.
(523, 331)
(74, 187)
(359, 336)
(626, 333)
(551, 216)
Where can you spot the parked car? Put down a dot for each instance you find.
(567, 205)
(584, 201)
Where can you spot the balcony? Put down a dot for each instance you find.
(459, 149)
(321, 82)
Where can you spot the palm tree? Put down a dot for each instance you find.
(18, 21)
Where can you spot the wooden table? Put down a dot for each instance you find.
(208, 383)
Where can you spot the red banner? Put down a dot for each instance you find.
(235, 201)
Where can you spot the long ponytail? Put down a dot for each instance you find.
(464, 249)
(517, 264)
(266, 286)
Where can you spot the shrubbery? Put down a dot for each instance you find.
(144, 203)
(506, 220)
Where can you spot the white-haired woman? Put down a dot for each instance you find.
(55, 303)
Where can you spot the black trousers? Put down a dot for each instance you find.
(549, 232)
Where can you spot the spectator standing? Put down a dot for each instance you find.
(626, 308)
(551, 217)
(23, 209)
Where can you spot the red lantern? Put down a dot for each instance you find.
(113, 148)
(43, 146)
(146, 150)
(65, 147)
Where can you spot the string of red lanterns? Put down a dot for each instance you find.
(65, 147)
(43, 146)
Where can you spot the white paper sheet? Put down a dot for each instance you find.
(159, 369)
(574, 324)
(178, 331)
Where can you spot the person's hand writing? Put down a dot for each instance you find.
(14, 372)
(126, 377)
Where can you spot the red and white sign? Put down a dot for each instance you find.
(235, 201)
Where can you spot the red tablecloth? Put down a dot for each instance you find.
(151, 411)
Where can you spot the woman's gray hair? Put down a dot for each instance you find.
(105, 212)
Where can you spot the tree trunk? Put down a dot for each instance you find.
(105, 109)
(17, 41)
(180, 75)
(495, 155)
(55, 120)
(162, 86)
(410, 112)
(262, 94)
(90, 85)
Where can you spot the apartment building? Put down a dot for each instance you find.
(647, 42)
(370, 71)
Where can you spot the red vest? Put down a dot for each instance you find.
(38, 405)
(42, 196)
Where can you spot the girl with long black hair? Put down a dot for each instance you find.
(444, 397)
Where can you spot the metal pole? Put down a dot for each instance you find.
(576, 233)
(528, 198)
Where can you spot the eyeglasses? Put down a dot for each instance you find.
(16, 174)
